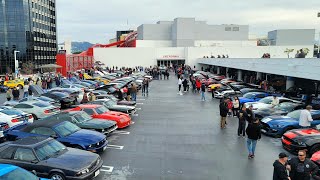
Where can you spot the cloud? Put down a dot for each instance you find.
(98, 20)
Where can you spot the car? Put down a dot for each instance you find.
(49, 158)
(277, 125)
(113, 106)
(281, 109)
(226, 92)
(9, 172)
(215, 86)
(100, 94)
(38, 109)
(266, 102)
(65, 132)
(85, 121)
(78, 86)
(252, 97)
(14, 83)
(101, 112)
(88, 86)
(300, 139)
(33, 98)
(14, 116)
(63, 98)
(3, 88)
(247, 90)
(3, 127)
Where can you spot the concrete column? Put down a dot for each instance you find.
(227, 74)
(218, 70)
(290, 82)
(259, 75)
(239, 75)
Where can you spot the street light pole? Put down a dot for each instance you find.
(16, 64)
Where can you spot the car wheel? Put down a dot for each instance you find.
(34, 117)
(315, 148)
(57, 176)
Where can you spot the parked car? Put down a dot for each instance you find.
(100, 94)
(247, 90)
(65, 132)
(32, 98)
(49, 158)
(277, 125)
(266, 102)
(38, 109)
(101, 112)
(112, 105)
(63, 98)
(252, 97)
(281, 109)
(85, 121)
(14, 83)
(73, 86)
(14, 116)
(3, 126)
(11, 172)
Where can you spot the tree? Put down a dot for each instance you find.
(27, 68)
(288, 51)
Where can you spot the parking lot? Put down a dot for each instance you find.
(179, 137)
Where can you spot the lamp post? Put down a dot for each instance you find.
(318, 38)
(16, 64)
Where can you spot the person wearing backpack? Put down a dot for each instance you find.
(203, 90)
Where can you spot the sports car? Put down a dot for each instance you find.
(265, 103)
(38, 109)
(49, 158)
(252, 97)
(9, 172)
(100, 94)
(14, 83)
(3, 126)
(101, 112)
(14, 116)
(33, 98)
(63, 98)
(65, 132)
(281, 109)
(111, 105)
(278, 125)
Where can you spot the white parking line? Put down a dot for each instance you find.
(141, 99)
(107, 169)
(132, 122)
(114, 147)
(121, 132)
(135, 115)
(138, 108)
(139, 103)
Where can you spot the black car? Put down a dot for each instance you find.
(51, 159)
(281, 109)
(63, 98)
(100, 94)
(112, 105)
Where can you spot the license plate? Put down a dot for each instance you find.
(104, 148)
(96, 173)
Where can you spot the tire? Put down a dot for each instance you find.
(34, 117)
(314, 149)
(57, 176)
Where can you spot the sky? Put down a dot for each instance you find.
(97, 21)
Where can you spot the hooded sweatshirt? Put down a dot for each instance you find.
(279, 171)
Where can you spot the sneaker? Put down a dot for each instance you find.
(249, 156)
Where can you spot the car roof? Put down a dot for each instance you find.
(40, 123)
(31, 141)
(30, 102)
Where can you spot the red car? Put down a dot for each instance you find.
(100, 112)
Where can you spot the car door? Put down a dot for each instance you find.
(6, 155)
(25, 158)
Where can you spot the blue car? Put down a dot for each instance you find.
(252, 97)
(277, 125)
(9, 172)
(65, 132)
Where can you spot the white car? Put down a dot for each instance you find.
(266, 102)
(224, 93)
(14, 116)
(38, 109)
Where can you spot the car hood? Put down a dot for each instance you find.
(270, 111)
(97, 124)
(115, 113)
(122, 107)
(278, 119)
(82, 158)
(242, 99)
(87, 137)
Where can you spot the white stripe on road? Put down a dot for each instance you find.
(121, 132)
(132, 122)
(138, 108)
(135, 115)
(107, 169)
(139, 103)
(114, 147)
(141, 99)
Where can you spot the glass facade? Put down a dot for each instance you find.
(28, 26)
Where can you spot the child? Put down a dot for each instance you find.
(230, 105)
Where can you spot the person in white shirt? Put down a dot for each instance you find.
(305, 117)
(275, 101)
(25, 90)
(179, 84)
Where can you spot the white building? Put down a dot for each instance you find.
(186, 40)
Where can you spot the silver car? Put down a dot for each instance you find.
(38, 109)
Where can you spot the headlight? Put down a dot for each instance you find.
(85, 171)
(90, 146)
(102, 130)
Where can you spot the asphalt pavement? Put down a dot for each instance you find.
(179, 137)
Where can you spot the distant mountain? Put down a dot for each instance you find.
(79, 46)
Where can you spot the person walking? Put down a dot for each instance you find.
(185, 84)
(305, 117)
(179, 85)
(230, 105)
(134, 90)
(280, 169)
(243, 118)
(25, 90)
(254, 134)
(223, 113)
(251, 115)
(203, 90)
(236, 105)
(9, 94)
(198, 85)
(15, 94)
(302, 168)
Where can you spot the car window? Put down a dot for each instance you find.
(89, 111)
(22, 106)
(43, 131)
(49, 149)
(19, 174)
(24, 154)
(7, 153)
(66, 128)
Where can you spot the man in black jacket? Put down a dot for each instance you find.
(251, 115)
(254, 133)
(15, 93)
(279, 168)
(243, 117)
(223, 113)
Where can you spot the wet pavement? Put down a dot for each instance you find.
(179, 137)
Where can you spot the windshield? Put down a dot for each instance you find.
(41, 104)
(11, 112)
(44, 98)
(249, 96)
(266, 100)
(49, 149)
(285, 106)
(111, 103)
(101, 110)
(82, 117)
(294, 114)
(19, 174)
(66, 128)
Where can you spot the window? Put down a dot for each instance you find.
(22, 106)
(227, 28)
(89, 111)
(23, 154)
(7, 153)
(235, 29)
(43, 131)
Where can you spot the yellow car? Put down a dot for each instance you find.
(14, 83)
(102, 79)
(212, 87)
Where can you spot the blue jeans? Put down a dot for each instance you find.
(203, 96)
(25, 94)
(133, 96)
(251, 145)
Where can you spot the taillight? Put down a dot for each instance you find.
(46, 111)
(14, 120)
(30, 116)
